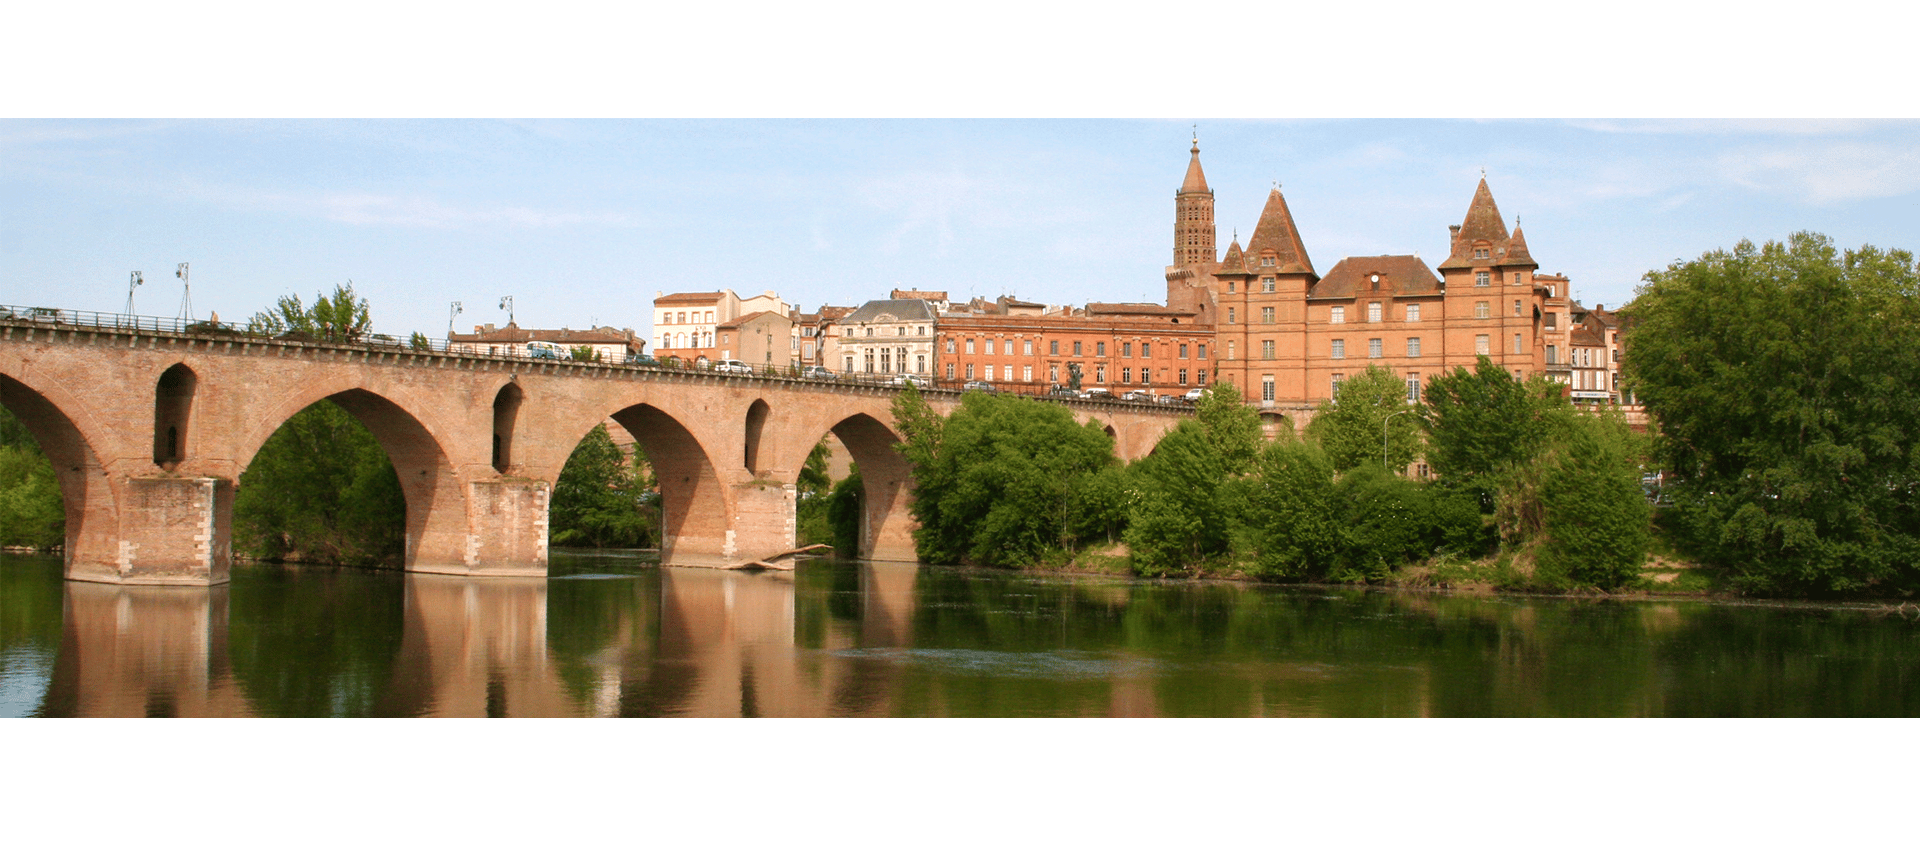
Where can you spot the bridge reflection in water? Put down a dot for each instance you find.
(696, 642)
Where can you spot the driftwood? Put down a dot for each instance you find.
(781, 562)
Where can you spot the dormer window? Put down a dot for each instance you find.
(1268, 259)
(1482, 253)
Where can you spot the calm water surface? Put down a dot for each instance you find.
(612, 634)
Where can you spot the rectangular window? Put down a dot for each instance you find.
(1266, 285)
(1027, 347)
(1053, 347)
(1202, 348)
(1516, 307)
(1553, 320)
(1230, 355)
(1200, 377)
(1230, 287)
(1008, 346)
(1373, 311)
(986, 372)
(1126, 350)
(1413, 347)
(1266, 388)
(1337, 315)
(1480, 311)
(1266, 349)
(987, 344)
(949, 344)
(1266, 316)
(886, 361)
(1373, 347)
(1480, 279)
(1146, 376)
(1336, 384)
(1516, 344)
(1183, 376)
(1183, 350)
(949, 370)
(1026, 373)
(1076, 349)
(1233, 315)
(1516, 279)
(1053, 373)
(1126, 375)
(1480, 346)
(919, 364)
(1100, 375)
(1100, 349)
(1146, 350)
(1339, 349)
(1413, 313)
(969, 346)
(969, 371)
(1413, 388)
(1551, 354)
(1006, 373)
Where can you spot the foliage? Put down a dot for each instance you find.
(1179, 522)
(994, 482)
(1350, 428)
(1097, 508)
(582, 353)
(340, 317)
(1231, 427)
(32, 511)
(321, 490)
(811, 492)
(602, 499)
(1386, 520)
(846, 507)
(1287, 524)
(1781, 379)
(1596, 518)
(419, 341)
(1483, 422)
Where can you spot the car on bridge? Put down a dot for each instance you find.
(1062, 391)
(817, 373)
(1138, 394)
(1194, 395)
(1096, 394)
(732, 366)
(915, 379)
(543, 349)
(640, 359)
(978, 385)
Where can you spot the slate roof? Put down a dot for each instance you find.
(1483, 223)
(905, 308)
(687, 298)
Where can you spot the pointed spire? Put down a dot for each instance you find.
(1196, 181)
(1276, 232)
(1483, 223)
(1235, 262)
(1517, 249)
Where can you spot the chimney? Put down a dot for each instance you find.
(1453, 233)
(1599, 308)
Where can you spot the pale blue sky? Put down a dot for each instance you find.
(584, 222)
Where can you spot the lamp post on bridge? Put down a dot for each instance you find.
(133, 279)
(454, 309)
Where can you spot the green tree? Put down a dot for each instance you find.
(1350, 427)
(340, 317)
(1288, 525)
(1230, 426)
(1595, 517)
(1481, 423)
(601, 498)
(321, 490)
(582, 353)
(994, 482)
(811, 491)
(32, 511)
(1179, 522)
(1781, 380)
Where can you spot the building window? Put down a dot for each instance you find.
(1413, 388)
(1076, 349)
(1266, 260)
(1266, 285)
(1230, 288)
(1553, 321)
(1202, 349)
(886, 361)
(1373, 348)
(1006, 373)
(1336, 384)
(1053, 373)
(1552, 355)
(1480, 345)
(969, 346)
(1126, 350)
(1337, 315)
(1480, 310)
(1516, 343)
(1183, 376)
(1146, 350)
(1373, 311)
(1183, 350)
(986, 372)
(1027, 347)
(1026, 373)
(1100, 349)
(919, 364)
(1200, 377)
(969, 371)
(1266, 349)
(1516, 279)
(1339, 349)
(1413, 313)
(1100, 374)
(1480, 279)
(949, 370)
(949, 344)
(849, 363)
(1233, 315)
(683, 319)
(922, 332)
(1480, 253)
(1230, 355)
(1146, 376)
(1266, 316)
(1266, 388)
(987, 345)
(1516, 307)
(1053, 347)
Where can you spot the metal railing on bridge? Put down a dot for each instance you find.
(207, 328)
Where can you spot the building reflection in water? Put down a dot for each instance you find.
(143, 651)
(475, 647)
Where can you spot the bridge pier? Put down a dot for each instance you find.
(507, 528)
(763, 521)
(171, 531)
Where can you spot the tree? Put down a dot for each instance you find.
(1595, 517)
(1482, 422)
(601, 498)
(1230, 426)
(321, 490)
(1350, 427)
(1179, 521)
(341, 317)
(32, 511)
(582, 353)
(1288, 525)
(811, 492)
(1781, 380)
(993, 483)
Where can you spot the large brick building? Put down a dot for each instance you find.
(1287, 336)
(1027, 347)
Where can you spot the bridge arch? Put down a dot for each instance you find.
(755, 424)
(88, 499)
(694, 517)
(886, 524)
(506, 412)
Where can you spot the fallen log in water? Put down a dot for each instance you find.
(781, 562)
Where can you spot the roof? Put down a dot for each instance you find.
(1098, 309)
(1483, 223)
(922, 294)
(1399, 275)
(515, 334)
(1517, 251)
(1235, 261)
(1277, 232)
(905, 308)
(737, 321)
(1196, 181)
(687, 298)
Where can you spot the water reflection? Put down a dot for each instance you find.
(858, 639)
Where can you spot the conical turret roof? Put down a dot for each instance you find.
(1517, 250)
(1483, 223)
(1235, 261)
(1276, 232)
(1196, 181)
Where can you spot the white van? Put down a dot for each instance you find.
(543, 349)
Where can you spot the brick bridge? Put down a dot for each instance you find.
(149, 429)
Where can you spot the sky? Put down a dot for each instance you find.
(584, 222)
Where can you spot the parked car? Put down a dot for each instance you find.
(919, 381)
(733, 366)
(1062, 391)
(640, 359)
(372, 339)
(1194, 395)
(1096, 394)
(977, 385)
(1138, 394)
(1169, 399)
(543, 349)
(817, 373)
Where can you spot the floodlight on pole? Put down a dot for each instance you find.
(186, 293)
(506, 303)
(133, 279)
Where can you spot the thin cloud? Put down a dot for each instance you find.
(1826, 174)
(1726, 126)
(375, 209)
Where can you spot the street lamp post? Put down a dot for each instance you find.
(453, 310)
(1383, 437)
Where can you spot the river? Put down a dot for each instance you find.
(614, 634)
